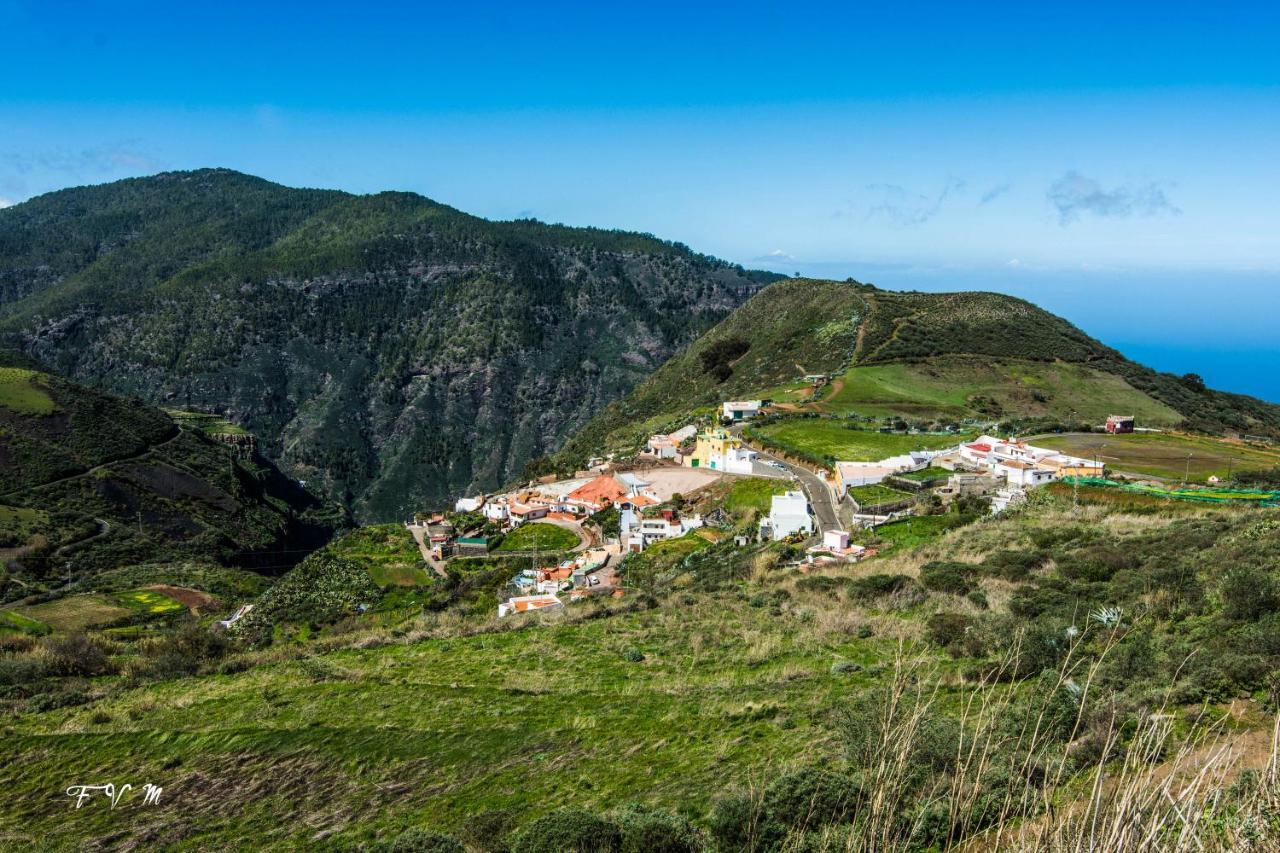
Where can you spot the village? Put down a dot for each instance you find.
(577, 531)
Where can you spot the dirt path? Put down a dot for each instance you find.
(152, 449)
(419, 533)
(103, 527)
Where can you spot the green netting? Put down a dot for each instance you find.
(1209, 495)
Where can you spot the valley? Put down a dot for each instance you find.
(345, 518)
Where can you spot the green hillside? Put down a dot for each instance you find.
(387, 349)
(712, 696)
(947, 356)
(92, 482)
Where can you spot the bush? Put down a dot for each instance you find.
(76, 654)
(1249, 593)
(874, 586)
(21, 669)
(1012, 565)
(568, 831)
(737, 822)
(947, 576)
(650, 830)
(810, 798)
(422, 841)
(489, 831)
(947, 628)
(633, 656)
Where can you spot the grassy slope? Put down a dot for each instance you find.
(445, 726)
(449, 728)
(943, 387)
(914, 354)
(832, 438)
(795, 327)
(1166, 455)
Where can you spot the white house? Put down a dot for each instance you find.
(741, 410)
(468, 504)
(789, 514)
(528, 604)
(638, 533)
(495, 511)
(851, 474)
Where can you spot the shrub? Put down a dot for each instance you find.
(650, 830)
(1249, 593)
(875, 586)
(947, 576)
(21, 669)
(947, 628)
(811, 797)
(75, 654)
(425, 841)
(633, 656)
(737, 822)
(489, 831)
(1012, 565)
(568, 831)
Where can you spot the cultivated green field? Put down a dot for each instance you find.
(950, 386)
(1166, 455)
(19, 392)
(834, 439)
(388, 551)
(149, 601)
(544, 537)
(76, 612)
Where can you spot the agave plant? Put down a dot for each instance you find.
(1107, 617)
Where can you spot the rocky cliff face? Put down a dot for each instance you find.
(390, 351)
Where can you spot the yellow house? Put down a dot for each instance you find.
(714, 449)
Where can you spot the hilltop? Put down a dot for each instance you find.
(93, 481)
(945, 356)
(387, 349)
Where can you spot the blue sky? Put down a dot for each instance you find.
(1114, 162)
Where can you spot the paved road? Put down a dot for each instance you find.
(821, 499)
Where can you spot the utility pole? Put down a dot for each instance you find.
(1186, 474)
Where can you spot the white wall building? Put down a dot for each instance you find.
(741, 410)
(788, 514)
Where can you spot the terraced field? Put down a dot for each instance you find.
(1167, 455)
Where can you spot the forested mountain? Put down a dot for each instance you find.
(90, 481)
(958, 342)
(388, 350)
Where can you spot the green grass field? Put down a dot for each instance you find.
(388, 551)
(19, 392)
(832, 438)
(876, 495)
(12, 622)
(544, 537)
(205, 422)
(753, 493)
(943, 387)
(910, 532)
(926, 475)
(1166, 455)
(76, 612)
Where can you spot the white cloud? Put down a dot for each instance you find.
(4, 202)
(1074, 194)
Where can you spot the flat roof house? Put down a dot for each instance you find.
(788, 514)
(742, 410)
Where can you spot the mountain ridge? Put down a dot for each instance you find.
(386, 348)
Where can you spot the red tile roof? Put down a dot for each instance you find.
(600, 491)
(981, 448)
